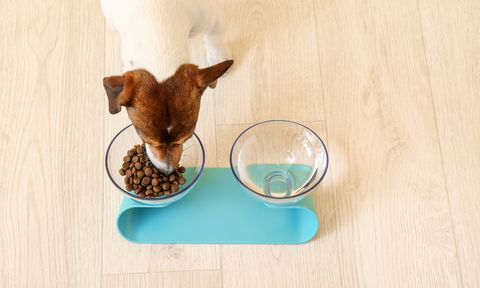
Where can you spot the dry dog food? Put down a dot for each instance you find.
(145, 179)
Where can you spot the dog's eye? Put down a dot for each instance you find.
(159, 145)
(154, 144)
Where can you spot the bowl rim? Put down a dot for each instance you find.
(271, 197)
(152, 199)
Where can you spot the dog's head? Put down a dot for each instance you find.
(164, 114)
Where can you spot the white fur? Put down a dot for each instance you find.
(155, 33)
(163, 166)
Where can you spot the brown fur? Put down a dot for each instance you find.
(153, 107)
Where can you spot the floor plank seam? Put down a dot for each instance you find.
(439, 142)
(251, 123)
(104, 138)
(326, 132)
(178, 271)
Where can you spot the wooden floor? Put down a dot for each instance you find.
(393, 87)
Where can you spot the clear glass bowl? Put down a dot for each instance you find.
(193, 159)
(279, 162)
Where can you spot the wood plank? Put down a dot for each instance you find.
(140, 280)
(192, 279)
(117, 252)
(312, 264)
(276, 71)
(52, 170)
(451, 31)
(393, 217)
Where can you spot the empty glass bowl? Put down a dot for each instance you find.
(193, 159)
(279, 162)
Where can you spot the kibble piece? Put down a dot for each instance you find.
(128, 180)
(125, 166)
(166, 186)
(182, 181)
(174, 182)
(155, 194)
(168, 193)
(155, 170)
(135, 159)
(146, 181)
(150, 196)
(140, 174)
(135, 186)
(175, 188)
(149, 192)
(130, 153)
(172, 178)
(148, 171)
(122, 172)
(129, 187)
(150, 186)
(148, 164)
(160, 193)
(128, 173)
(179, 174)
(155, 175)
(137, 180)
(138, 166)
(157, 189)
(165, 179)
(182, 169)
(155, 182)
(141, 195)
(136, 146)
(140, 150)
(126, 159)
(131, 165)
(138, 190)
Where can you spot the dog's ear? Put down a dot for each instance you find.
(119, 91)
(202, 78)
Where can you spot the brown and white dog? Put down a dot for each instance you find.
(160, 89)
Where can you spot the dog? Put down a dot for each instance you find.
(160, 88)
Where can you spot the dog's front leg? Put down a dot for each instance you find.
(210, 20)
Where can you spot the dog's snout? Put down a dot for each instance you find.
(165, 166)
(165, 169)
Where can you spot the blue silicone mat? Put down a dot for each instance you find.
(218, 211)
